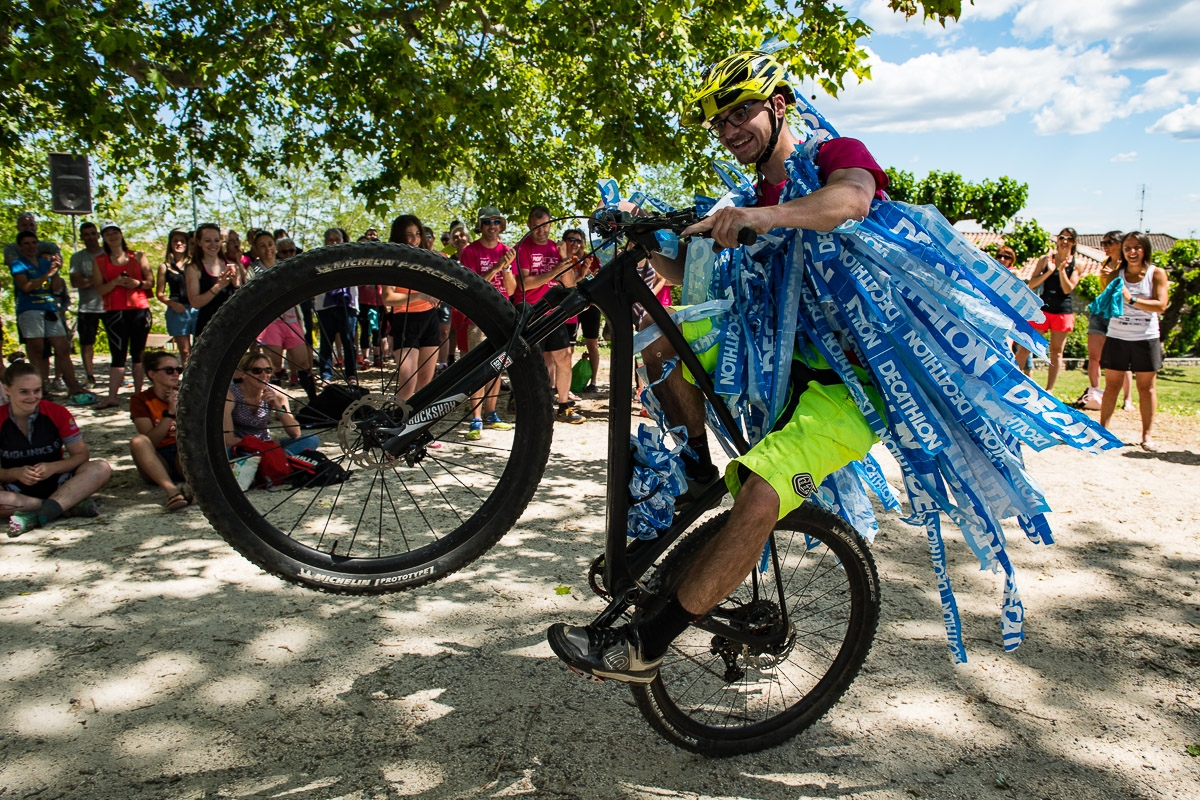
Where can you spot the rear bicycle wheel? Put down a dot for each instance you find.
(718, 697)
(398, 520)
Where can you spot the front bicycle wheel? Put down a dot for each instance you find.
(816, 615)
(392, 518)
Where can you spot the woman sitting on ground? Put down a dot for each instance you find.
(153, 447)
(38, 482)
(252, 402)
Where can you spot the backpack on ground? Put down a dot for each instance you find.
(273, 468)
(311, 468)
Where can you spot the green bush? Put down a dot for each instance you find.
(1076, 346)
(1088, 288)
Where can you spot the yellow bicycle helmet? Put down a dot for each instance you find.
(740, 78)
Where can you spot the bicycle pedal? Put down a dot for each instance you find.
(585, 675)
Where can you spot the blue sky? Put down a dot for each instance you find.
(1084, 100)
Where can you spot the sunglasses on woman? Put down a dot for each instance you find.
(573, 240)
(170, 370)
(259, 370)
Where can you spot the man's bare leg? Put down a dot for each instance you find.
(682, 402)
(728, 558)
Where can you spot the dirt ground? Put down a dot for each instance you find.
(142, 658)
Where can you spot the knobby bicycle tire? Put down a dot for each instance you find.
(392, 524)
(717, 698)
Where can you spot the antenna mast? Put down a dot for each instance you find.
(1142, 208)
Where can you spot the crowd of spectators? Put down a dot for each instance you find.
(343, 331)
(1126, 346)
(45, 467)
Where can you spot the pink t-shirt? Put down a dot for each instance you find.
(481, 260)
(835, 154)
(535, 259)
(368, 296)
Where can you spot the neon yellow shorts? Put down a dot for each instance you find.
(824, 432)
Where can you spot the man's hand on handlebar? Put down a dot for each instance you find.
(725, 225)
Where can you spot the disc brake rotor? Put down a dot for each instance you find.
(354, 429)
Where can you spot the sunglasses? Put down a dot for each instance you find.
(259, 370)
(1066, 238)
(170, 370)
(1004, 257)
(1107, 242)
(490, 221)
(573, 240)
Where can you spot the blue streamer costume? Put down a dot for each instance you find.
(929, 317)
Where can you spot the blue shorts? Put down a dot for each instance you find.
(182, 323)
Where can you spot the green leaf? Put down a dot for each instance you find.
(561, 590)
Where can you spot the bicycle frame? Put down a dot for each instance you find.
(614, 288)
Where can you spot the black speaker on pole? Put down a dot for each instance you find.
(70, 184)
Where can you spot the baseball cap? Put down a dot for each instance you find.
(108, 223)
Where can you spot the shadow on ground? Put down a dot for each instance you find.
(148, 661)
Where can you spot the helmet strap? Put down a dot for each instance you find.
(776, 127)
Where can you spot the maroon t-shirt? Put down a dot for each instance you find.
(835, 154)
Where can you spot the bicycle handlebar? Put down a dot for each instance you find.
(611, 224)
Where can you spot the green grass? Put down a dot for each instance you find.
(1178, 388)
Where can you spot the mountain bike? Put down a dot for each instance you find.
(422, 501)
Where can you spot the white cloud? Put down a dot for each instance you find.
(1073, 22)
(1067, 91)
(1124, 158)
(1182, 123)
(1098, 60)
(1165, 91)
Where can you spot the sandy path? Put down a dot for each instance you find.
(143, 659)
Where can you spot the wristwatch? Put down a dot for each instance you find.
(168, 415)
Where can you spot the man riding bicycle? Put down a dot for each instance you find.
(743, 100)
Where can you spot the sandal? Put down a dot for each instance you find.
(175, 502)
(109, 403)
(187, 493)
(1150, 446)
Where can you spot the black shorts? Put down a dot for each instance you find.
(127, 331)
(88, 326)
(414, 329)
(589, 320)
(43, 489)
(560, 339)
(1141, 356)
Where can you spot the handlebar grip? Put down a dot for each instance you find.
(746, 236)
